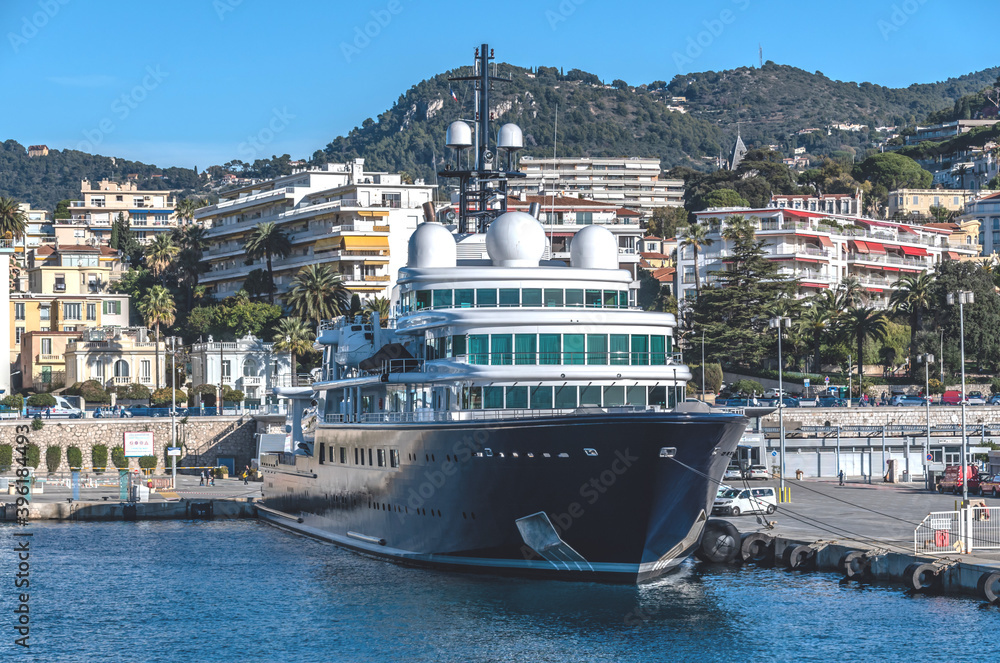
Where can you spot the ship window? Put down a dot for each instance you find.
(343, 455)
(458, 345)
(524, 348)
(553, 297)
(332, 451)
(541, 398)
(493, 398)
(381, 457)
(590, 396)
(573, 348)
(593, 299)
(574, 298)
(472, 398)
(423, 299)
(486, 298)
(636, 396)
(610, 299)
(510, 297)
(370, 457)
(549, 348)
(442, 298)
(465, 298)
(597, 349)
(640, 350)
(479, 348)
(565, 397)
(614, 396)
(517, 398)
(619, 349)
(322, 453)
(531, 297)
(500, 349)
(355, 455)
(657, 350)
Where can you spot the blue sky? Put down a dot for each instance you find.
(200, 82)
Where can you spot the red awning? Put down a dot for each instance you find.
(808, 259)
(892, 247)
(860, 247)
(825, 241)
(873, 289)
(875, 247)
(807, 284)
(915, 251)
(890, 269)
(951, 255)
(907, 229)
(905, 269)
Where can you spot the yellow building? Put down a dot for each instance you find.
(964, 233)
(916, 204)
(73, 269)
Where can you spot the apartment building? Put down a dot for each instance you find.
(821, 250)
(946, 130)
(985, 211)
(915, 204)
(845, 204)
(356, 221)
(116, 357)
(6, 333)
(148, 213)
(633, 182)
(248, 364)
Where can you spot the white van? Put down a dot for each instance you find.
(62, 409)
(748, 500)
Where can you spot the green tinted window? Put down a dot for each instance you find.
(524, 348)
(658, 396)
(565, 397)
(619, 349)
(590, 396)
(493, 398)
(517, 398)
(573, 349)
(486, 297)
(553, 297)
(501, 349)
(640, 350)
(465, 298)
(510, 297)
(479, 349)
(541, 398)
(657, 350)
(549, 349)
(635, 396)
(614, 396)
(574, 298)
(423, 299)
(458, 346)
(593, 299)
(610, 299)
(597, 349)
(531, 297)
(442, 298)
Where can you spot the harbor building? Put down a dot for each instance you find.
(117, 357)
(821, 250)
(356, 221)
(148, 213)
(249, 365)
(633, 182)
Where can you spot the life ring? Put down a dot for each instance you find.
(758, 548)
(799, 557)
(922, 577)
(988, 586)
(720, 542)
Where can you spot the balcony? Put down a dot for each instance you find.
(119, 381)
(251, 381)
(49, 359)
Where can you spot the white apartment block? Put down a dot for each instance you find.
(249, 365)
(117, 357)
(821, 250)
(148, 213)
(358, 222)
(633, 182)
(986, 211)
(845, 204)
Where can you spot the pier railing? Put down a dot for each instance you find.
(966, 530)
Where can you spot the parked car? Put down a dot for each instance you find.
(904, 400)
(722, 489)
(990, 485)
(733, 473)
(774, 393)
(951, 397)
(975, 398)
(953, 477)
(787, 401)
(831, 401)
(994, 399)
(758, 472)
(751, 500)
(62, 408)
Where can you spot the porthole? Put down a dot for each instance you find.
(564, 455)
(590, 452)
(547, 455)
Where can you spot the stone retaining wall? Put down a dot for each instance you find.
(202, 440)
(880, 416)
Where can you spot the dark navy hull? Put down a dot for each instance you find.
(614, 508)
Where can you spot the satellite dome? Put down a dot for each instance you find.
(431, 245)
(594, 247)
(515, 239)
(458, 135)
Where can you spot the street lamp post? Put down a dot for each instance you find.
(702, 365)
(963, 297)
(173, 407)
(778, 323)
(850, 380)
(927, 360)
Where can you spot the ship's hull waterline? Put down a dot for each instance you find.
(619, 498)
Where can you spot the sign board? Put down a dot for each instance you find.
(930, 457)
(805, 382)
(138, 443)
(774, 453)
(173, 451)
(826, 380)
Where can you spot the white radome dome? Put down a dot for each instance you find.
(594, 247)
(431, 245)
(515, 239)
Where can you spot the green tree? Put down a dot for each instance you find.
(913, 295)
(696, 237)
(666, 221)
(381, 306)
(266, 241)
(125, 242)
(62, 210)
(158, 309)
(13, 220)
(74, 457)
(889, 171)
(720, 198)
(294, 337)
(41, 400)
(749, 388)
(53, 458)
(982, 318)
(315, 293)
(118, 458)
(257, 283)
(863, 323)
(160, 255)
(818, 321)
(99, 458)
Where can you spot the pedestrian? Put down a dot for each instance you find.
(201, 475)
(246, 475)
(211, 474)
(841, 475)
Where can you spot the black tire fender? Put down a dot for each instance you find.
(922, 577)
(720, 542)
(854, 564)
(798, 557)
(989, 586)
(758, 548)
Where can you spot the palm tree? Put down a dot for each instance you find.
(817, 321)
(294, 337)
(852, 291)
(192, 242)
(186, 208)
(913, 296)
(315, 293)
(158, 308)
(696, 236)
(863, 323)
(159, 254)
(13, 220)
(381, 306)
(266, 241)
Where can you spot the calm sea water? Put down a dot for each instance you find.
(244, 591)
